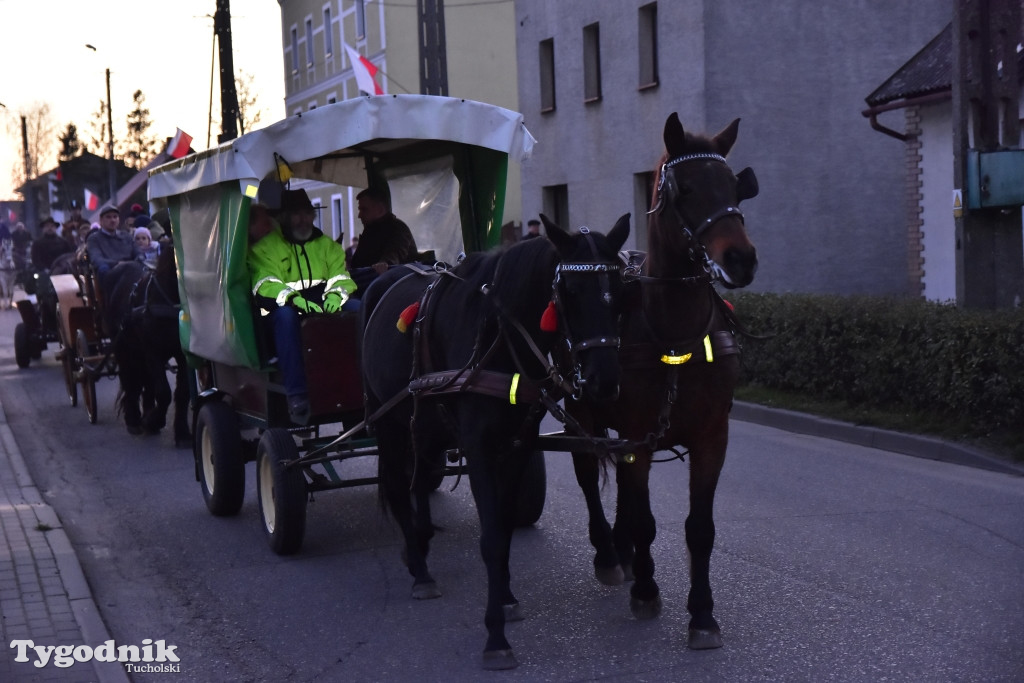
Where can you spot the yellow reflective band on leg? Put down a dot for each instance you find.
(512, 389)
(707, 349)
(675, 360)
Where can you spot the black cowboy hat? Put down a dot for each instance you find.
(47, 220)
(295, 200)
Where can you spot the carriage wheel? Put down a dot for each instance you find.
(282, 492)
(22, 346)
(532, 490)
(218, 452)
(86, 376)
(67, 360)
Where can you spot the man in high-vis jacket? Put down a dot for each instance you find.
(296, 270)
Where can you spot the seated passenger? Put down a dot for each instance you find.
(149, 249)
(107, 247)
(49, 246)
(296, 270)
(385, 240)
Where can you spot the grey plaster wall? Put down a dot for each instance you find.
(831, 216)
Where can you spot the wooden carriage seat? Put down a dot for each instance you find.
(74, 314)
(331, 353)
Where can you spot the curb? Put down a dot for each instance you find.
(83, 606)
(897, 442)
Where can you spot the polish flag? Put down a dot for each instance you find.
(364, 70)
(12, 217)
(92, 202)
(179, 144)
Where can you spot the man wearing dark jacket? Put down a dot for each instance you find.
(385, 240)
(49, 246)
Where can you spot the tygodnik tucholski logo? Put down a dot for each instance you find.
(150, 657)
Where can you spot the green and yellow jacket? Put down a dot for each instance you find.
(281, 268)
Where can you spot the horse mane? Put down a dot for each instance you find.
(166, 273)
(503, 271)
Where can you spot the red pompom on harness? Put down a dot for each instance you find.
(549, 319)
(406, 318)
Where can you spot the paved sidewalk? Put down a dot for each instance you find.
(44, 596)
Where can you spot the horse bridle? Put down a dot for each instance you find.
(603, 271)
(694, 235)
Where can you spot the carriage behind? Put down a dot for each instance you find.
(445, 164)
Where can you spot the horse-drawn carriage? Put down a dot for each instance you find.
(444, 162)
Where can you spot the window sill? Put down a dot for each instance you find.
(591, 100)
(546, 110)
(648, 86)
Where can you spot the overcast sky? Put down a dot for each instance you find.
(162, 48)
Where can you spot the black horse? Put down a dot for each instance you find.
(142, 317)
(680, 364)
(477, 354)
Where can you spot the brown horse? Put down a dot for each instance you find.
(679, 363)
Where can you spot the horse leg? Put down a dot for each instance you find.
(131, 389)
(155, 418)
(394, 444)
(705, 467)
(494, 503)
(638, 521)
(182, 433)
(606, 560)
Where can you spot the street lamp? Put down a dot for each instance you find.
(112, 169)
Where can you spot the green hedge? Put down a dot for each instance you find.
(892, 354)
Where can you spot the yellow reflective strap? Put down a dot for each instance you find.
(512, 389)
(707, 349)
(675, 360)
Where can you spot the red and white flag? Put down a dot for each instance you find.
(12, 216)
(92, 202)
(179, 144)
(364, 71)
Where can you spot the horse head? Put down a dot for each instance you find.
(696, 209)
(585, 302)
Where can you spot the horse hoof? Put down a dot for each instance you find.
(645, 609)
(499, 660)
(427, 590)
(513, 612)
(704, 639)
(627, 573)
(183, 443)
(610, 576)
(134, 430)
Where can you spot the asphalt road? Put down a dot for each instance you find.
(833, 562)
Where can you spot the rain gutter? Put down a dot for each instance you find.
(873, 112)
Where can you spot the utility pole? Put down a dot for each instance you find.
(228, 96)
(31, 217)
(986, 125)
(433, 51)
(111, 168)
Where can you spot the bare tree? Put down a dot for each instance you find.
(140, 145)
(249, 111)
(97, 131)
(41, 135)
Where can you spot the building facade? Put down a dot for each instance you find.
(598, 78)
(481, 65)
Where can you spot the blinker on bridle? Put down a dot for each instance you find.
(745, 178)
(602, 270)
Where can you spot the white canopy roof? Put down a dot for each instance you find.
(353, 126)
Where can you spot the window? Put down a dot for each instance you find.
(643, 189)
(328, 33)
(591, 63)
(547, 75)
(556, 204)
(360, 18)
(309, 43)
(295, 50)
(647, 35)
(337, 224)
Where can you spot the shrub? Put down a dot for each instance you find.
(894, 354)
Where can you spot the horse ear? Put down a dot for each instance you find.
(558, 237)
(746, 185)
(675, 136)
(727, 138)
(617, 235)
